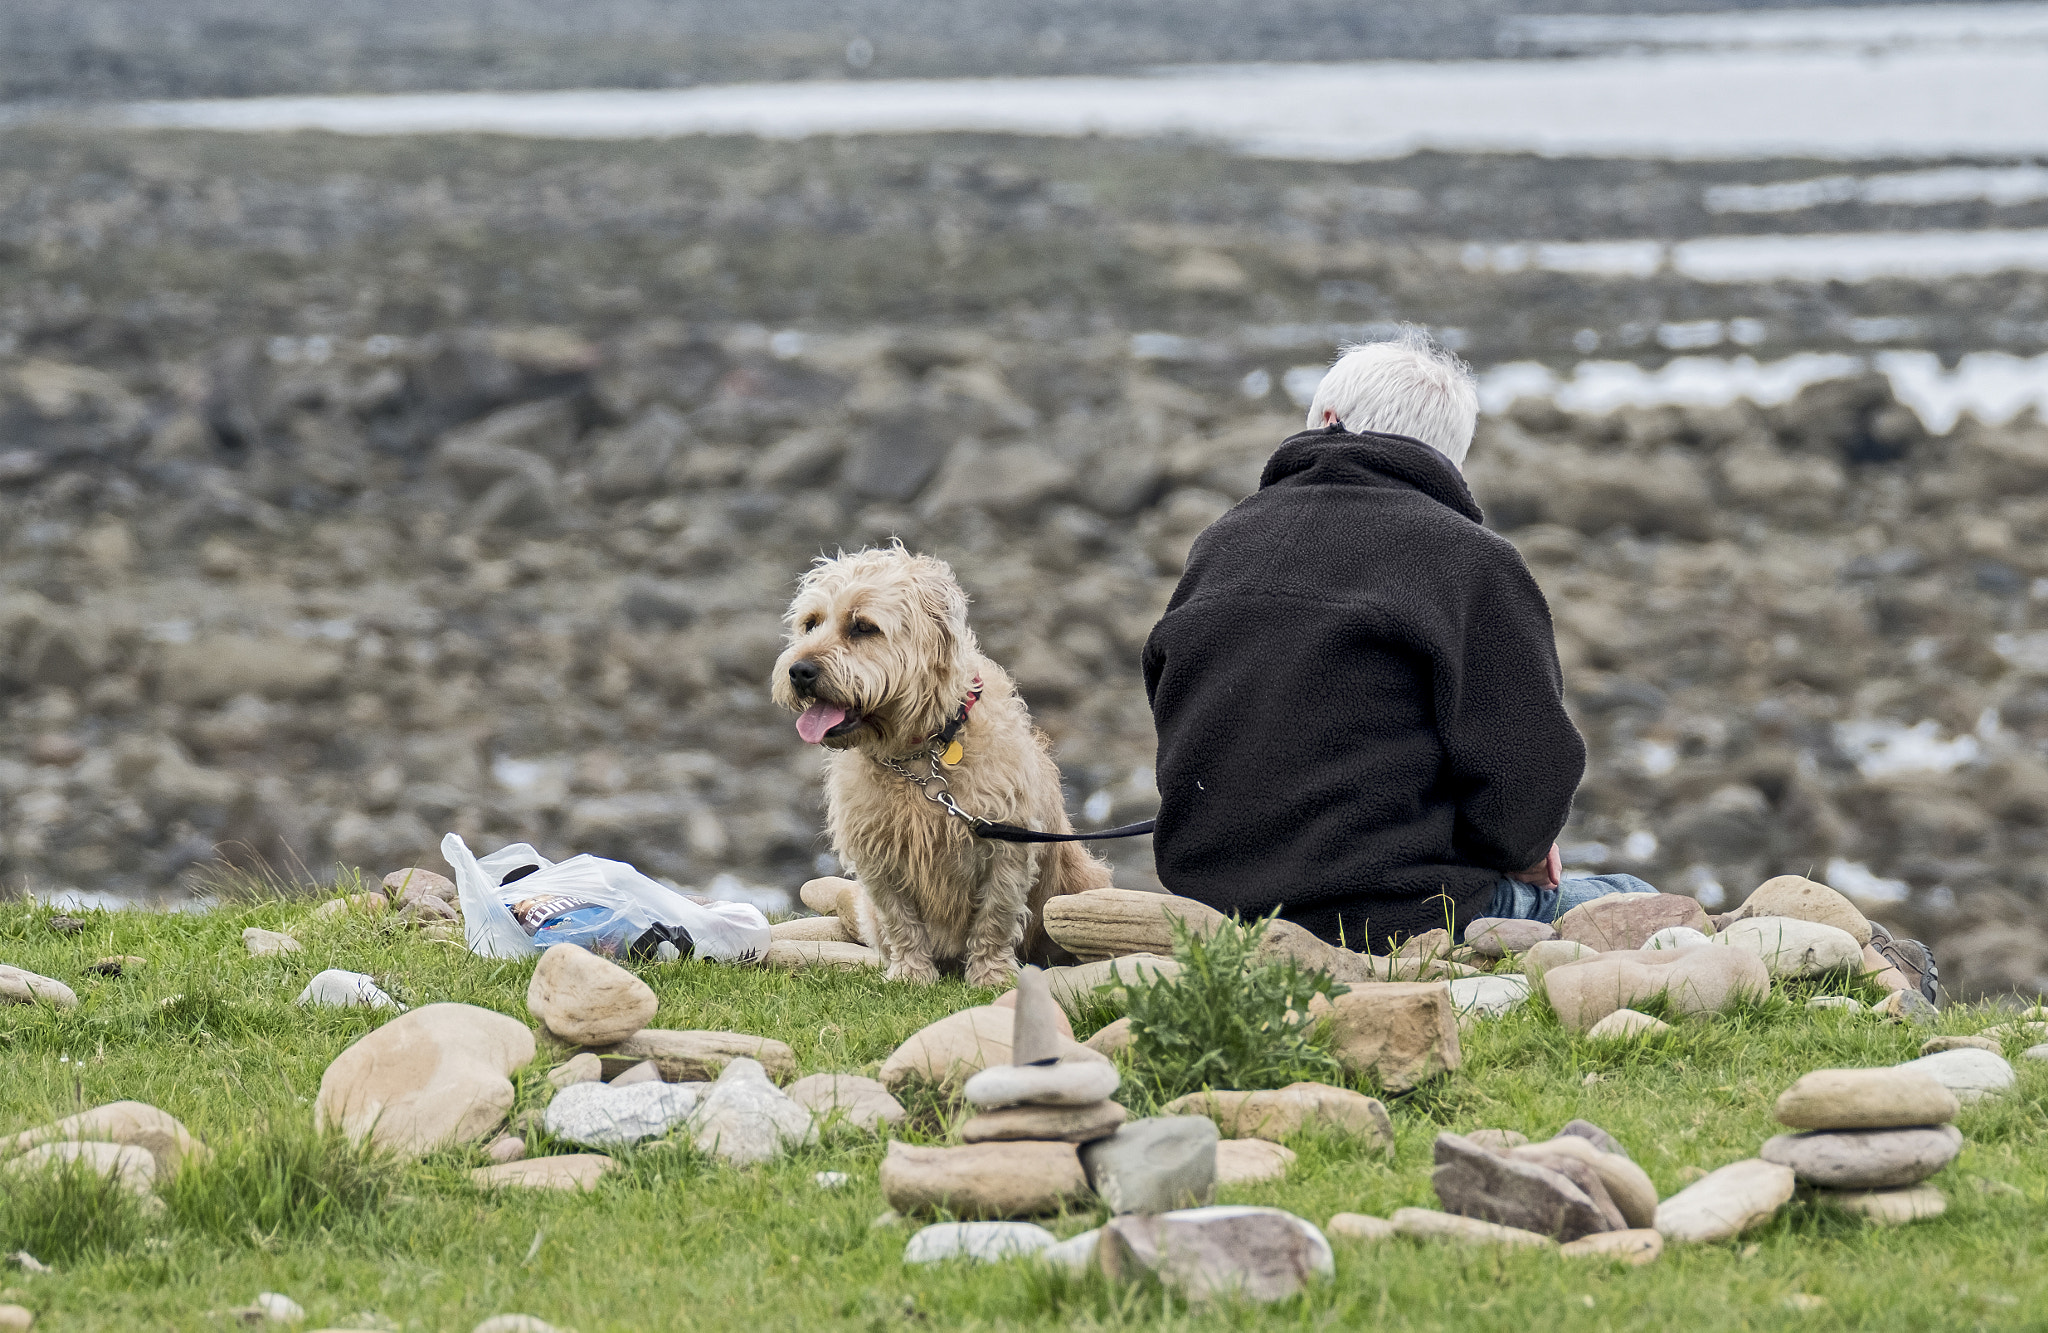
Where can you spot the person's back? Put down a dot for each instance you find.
(1356, 689)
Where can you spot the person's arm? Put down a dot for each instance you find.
(1513, 756)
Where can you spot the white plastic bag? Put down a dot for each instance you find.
(607, 906)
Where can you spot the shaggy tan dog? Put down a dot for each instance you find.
(880, 661)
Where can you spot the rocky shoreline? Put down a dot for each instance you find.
(508, 560)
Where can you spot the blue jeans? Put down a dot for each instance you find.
(1525, 902)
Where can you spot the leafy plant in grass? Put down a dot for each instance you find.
(1229, 1019)
(280, 1181)
(68, 1212)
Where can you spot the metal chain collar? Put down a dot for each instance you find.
(936, 773)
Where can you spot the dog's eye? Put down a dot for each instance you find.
(810, 623)
(861, 629)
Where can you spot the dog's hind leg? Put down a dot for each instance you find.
(1003, 915)
(905, 943)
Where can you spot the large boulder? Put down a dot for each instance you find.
(586, 999)
(1701, 980)
(435, 1076)
(1403, 1033)
(1627, 920)
(1110, 922)
(1792, 947)
(1803, 899)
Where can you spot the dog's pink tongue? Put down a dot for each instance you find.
(817, 720)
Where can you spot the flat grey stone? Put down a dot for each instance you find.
(1474, 1182)
(1866, 1159)
(982, 1242)
(1255, 1254)
(1726, 1202)
(1971, 1075)
(1155, 1165)
(1062, 1124)
(746, 1119)
(1499, 936)
(1076, 1254)
(1068, 1083)
(600, 1115)
(1897, 1097)
(1488, 997)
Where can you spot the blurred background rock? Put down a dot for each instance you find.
(353, 490)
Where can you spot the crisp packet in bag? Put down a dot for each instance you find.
(516, 902)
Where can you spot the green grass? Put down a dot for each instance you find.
(674, 1241)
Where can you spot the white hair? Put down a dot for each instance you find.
(1406, 385)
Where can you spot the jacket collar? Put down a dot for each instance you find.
(1335, 457)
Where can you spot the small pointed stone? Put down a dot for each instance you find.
(1037, 1035)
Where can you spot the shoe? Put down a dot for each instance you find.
(1914, 959)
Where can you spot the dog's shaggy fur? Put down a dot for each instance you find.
(883, 635)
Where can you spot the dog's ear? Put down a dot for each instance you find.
(940, 597)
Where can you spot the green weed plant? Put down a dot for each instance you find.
(1230, 1018)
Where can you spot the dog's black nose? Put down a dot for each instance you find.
(803, 675)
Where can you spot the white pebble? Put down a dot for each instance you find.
(831, 1180)
(984, 1242)
(1676, 937)
(282, 1309)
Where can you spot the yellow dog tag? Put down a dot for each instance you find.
(953, 755)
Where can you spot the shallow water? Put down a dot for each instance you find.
(1840, 101)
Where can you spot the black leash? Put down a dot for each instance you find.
(942, 751)
(1011, 833)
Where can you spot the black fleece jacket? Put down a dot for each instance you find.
(1360, 712)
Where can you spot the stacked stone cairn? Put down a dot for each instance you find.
(1866, 1140)
(1045, 1136)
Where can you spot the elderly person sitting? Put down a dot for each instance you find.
(1360, 712)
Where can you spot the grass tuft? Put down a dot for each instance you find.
(281, 1180)
(68, 1212)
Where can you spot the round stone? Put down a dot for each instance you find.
(1075, 1083)
(587, 999)
(1970, 1074)
(1893, 1098)
(1866, 1159)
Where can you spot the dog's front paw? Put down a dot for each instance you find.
(995, 973)
(912, 969)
